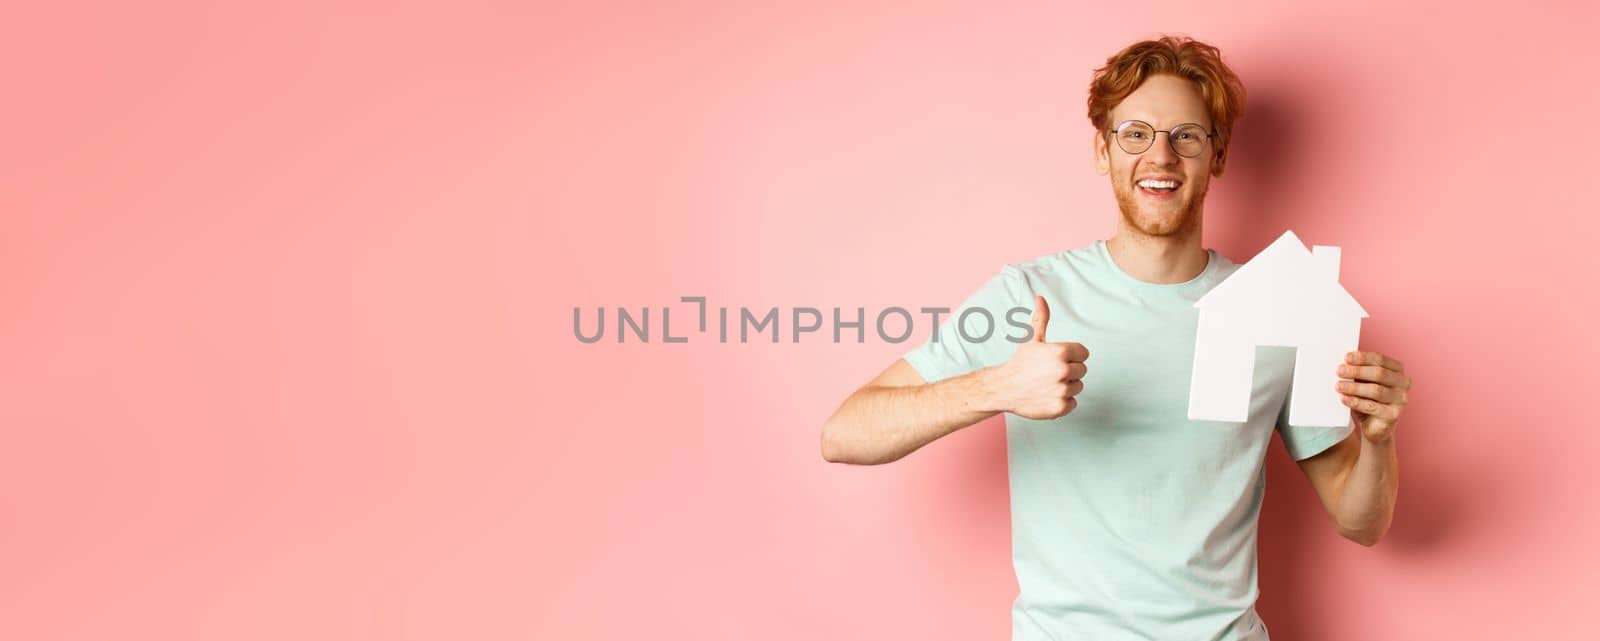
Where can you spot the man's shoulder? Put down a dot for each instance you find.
(1068, 263)
(1076, 258)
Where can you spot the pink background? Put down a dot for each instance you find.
(288, 298)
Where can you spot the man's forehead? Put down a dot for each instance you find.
(1163, 101)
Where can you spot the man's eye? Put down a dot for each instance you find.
(1185, 136)
(1136, 135)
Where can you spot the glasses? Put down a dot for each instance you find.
(1136, 136)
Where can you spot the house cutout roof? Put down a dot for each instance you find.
(1286, 270)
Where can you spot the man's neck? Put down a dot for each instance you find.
(1158, 259)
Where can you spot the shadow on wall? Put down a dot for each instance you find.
(1262, 160)
(1266, 157)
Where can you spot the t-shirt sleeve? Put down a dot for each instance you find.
(1303, 441)
(981, 332)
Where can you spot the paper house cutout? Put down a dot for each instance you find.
(1285, 296)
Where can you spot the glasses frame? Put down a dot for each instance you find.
(1210, 135)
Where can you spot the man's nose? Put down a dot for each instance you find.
(1160, 151)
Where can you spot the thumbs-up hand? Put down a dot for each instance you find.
(1042, 379)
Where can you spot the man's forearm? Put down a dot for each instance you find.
(1366, 503)
(881, 424)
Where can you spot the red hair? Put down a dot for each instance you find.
(1180, 56)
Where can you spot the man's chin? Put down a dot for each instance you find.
(1162, 224)
(1169, 218)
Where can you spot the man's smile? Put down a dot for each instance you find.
(1159, 187)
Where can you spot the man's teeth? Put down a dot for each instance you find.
(1159, 184)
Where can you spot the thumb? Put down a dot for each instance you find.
(1041, 318)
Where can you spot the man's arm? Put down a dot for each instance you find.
(1359, 478)
(898, 411)
(1357, 481)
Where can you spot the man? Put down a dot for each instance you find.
(1129, 520)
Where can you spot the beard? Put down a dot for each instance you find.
(1177, 218)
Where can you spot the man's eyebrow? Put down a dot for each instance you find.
(1157, 125)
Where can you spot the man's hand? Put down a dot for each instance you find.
(1378, 394)
(1042, 380)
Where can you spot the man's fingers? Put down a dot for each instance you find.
(1074, 371)
(1375, 374)
(1041, 318)
(1370, 407)
(1374, 358)
(1075, 352)
(1374, 391)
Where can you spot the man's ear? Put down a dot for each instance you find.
(1102, 158)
